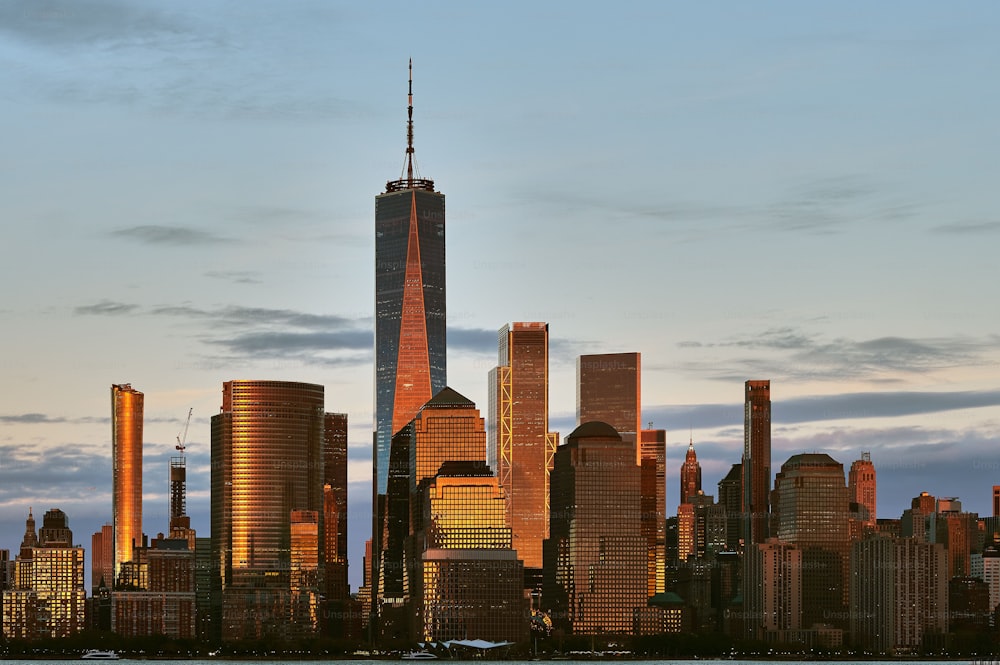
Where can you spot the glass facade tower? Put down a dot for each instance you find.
(126, 484)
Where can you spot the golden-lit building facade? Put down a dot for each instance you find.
(47, 598)
(304, 571)
(595, 573)
(448, 428)
(608, 389)
(126, 484)
(520, 447)
(267, 445)
(653, 503)
(471, 581)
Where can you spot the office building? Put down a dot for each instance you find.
(519, 445)
(756, 469)
(595, 557)
(126, 484)
(653, 504)
(335, 506)
(267, 444)
(471, 581)
(811, 511)
(731, 499)
(410, 313)
(608, 389)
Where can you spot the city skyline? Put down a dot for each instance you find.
(190, 197)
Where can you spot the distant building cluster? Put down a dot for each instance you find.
(491, 527)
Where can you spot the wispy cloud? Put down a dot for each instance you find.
(235, 276)
(847, 406)
(968, 228)
(795, 354)
(106, 308)
(152, 234)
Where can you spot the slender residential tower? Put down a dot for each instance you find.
(126, 483)
(410, 353)
(756, 461)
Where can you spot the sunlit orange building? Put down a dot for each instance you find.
(410, 312)
(267, 444)
(126, 484)
(520, 446)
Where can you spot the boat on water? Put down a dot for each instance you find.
(97, 654)
(419, 655)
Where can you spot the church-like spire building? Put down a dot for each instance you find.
(690, 474)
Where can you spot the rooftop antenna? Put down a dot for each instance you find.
(409, 130)
(409, 178)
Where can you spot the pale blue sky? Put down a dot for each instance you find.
(805, 192)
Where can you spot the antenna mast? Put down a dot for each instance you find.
(407, 179)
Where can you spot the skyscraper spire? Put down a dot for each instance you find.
(409, 129)
(409, 178)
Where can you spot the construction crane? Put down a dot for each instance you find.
(182, 437)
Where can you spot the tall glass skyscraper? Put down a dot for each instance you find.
(410, 334)
(519, 446)
(126, 483)
(267, 463)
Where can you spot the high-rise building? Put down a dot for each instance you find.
(46, 597)
(731, 499)
(470, 579)
(862, 482)
(996, 501)
(126, 484)
(957, 530)
(756, 460)
(595, 556)
(811, 510)
(267, 444)
(519, 444)
(608, 389)
(690, 475)
(167, 602)
(772, 601)
(334, 547)
(653, 504)
(448, 428)
(410, 332)
(899, 593)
